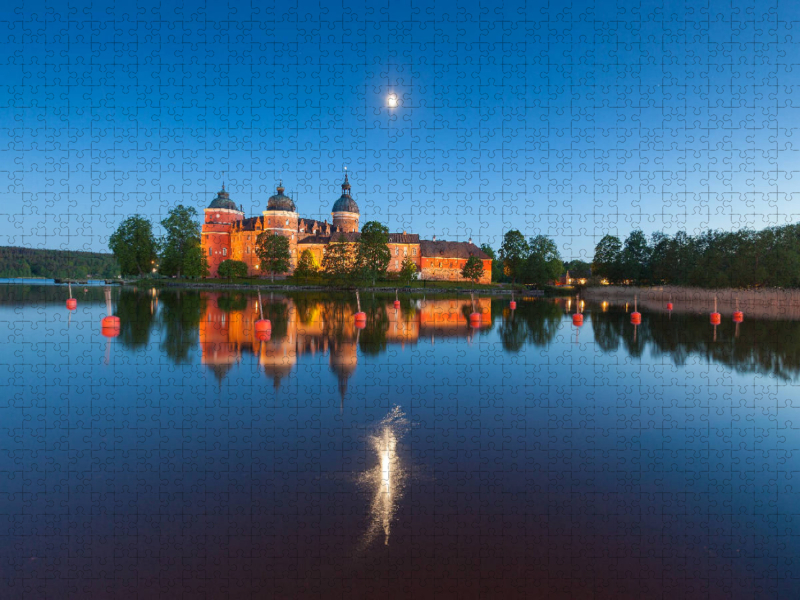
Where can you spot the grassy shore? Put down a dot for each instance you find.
(291, 283)
(762, 303)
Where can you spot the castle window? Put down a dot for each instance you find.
(413, 251)
(287, 221)
(397, 251)
(405, 251)
(211, 252)
(224, 252)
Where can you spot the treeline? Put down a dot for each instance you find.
(714, 259)
(33, 262)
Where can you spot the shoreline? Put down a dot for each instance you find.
(277, 287)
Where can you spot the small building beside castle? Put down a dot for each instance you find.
(227, 234)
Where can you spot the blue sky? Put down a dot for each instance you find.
(568, 119)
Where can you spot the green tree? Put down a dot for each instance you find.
(497, 266)
(607, 258)
(513, 254)
(230, 269)
(273, 251)
(372, 251)
(408, 271)
(182, 253)
(473, 269)
(134, 246)
(544, 262)
(338, 261)
(307, 265)
(636, 257)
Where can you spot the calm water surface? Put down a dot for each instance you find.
(185, 458)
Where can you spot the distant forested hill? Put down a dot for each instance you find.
(31, 262)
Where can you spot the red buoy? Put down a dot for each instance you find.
(475, 319)
(512, 305)
(397, 303)
(110, 326)
(110, 322)
(361, 317)
(361, 324)
(716, 318)
(636, 318)
(577, 319)
(72, 304)
(669, 305)
(263, 329)
(738, 316)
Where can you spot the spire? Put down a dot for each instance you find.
(280, 187)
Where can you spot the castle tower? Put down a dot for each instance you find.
(281, 218)
(345, 210)
(216, 231)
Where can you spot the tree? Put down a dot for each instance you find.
(497, 266)
(134, 246)
(230, 269)
(636, 257)
(372, 251)
(338, 261)
(607, 258)
(307, 265)
(182, 252)
(473, 269)
(408, 271)
(273, 251)
(543, 263)
(513, 254)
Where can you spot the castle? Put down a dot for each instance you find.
(227, 234)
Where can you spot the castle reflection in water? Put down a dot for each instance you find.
(302, 327)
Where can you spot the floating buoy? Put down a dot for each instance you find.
(716, 318)
(263, 329)
(669, 305)
(738, 316)
(396, 301)
(577, 319)
(110, 322)
(512, 305)
(475, 319)
(636, 316)
(361, 324)
(359, 317)
(72, 303)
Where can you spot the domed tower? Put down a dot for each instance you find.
(281, 218)
(216, 230)
(345, 210)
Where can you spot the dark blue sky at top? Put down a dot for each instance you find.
(568, 119)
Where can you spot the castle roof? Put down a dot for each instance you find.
(223, 201)
(280, 201)
(345, 203)
(445, 249)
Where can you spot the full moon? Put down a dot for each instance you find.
(392, 101)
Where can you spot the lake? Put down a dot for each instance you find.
(418, 456)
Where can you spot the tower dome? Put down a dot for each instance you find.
(345, 203)
(223, 201)
(345, 210)
(280, 201)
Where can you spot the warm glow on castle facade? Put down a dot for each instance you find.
(227, 234)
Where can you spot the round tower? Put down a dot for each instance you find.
(345, 210)
(281, 218)
(216, 230)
